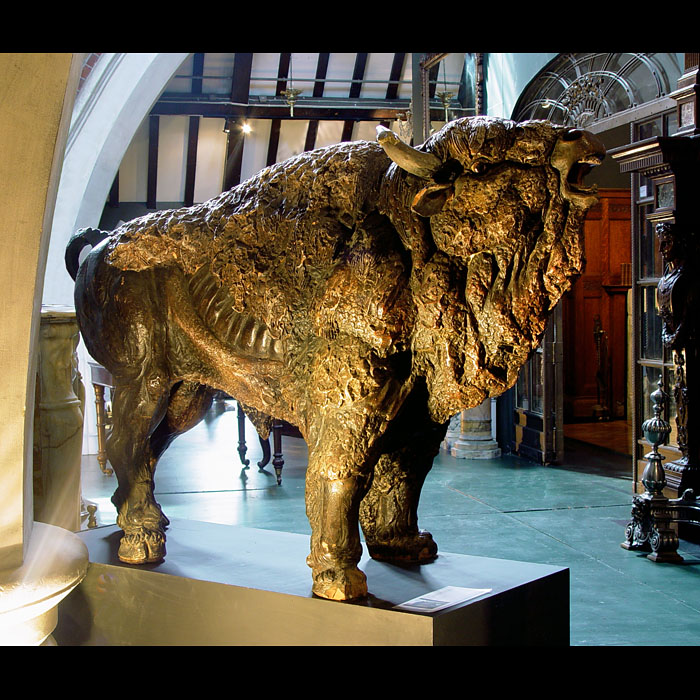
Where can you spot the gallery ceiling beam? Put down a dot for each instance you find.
(392, 88)
(321, 72)
(280, 110)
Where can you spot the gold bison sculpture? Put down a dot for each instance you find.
(364, 292)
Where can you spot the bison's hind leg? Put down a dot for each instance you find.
(389, 511)
(137, 409)
(388, 514)
(187, 405)
(135, 448)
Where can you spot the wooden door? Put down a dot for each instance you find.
(538, 412)
(595, 316)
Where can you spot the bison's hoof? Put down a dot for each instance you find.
(142, 548)
(417, 548)
(346, 584)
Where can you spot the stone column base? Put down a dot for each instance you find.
(475, 449)
(56, 561)
(475, 440)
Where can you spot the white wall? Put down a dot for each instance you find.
(292, 138)
(255, 147)
(133, 171)
(172, 152)
(329, 132)
(211, 158)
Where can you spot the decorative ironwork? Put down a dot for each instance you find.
(576, 89)
(291, 95)
(584, 100)
(652, 513)
(445, 98)
(656, 430)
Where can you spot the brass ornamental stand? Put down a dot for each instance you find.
(653, 514)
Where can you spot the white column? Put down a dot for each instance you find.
(39, 563)
(476, 438)
(114, 100)
(60, 421)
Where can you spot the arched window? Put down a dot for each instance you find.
(576, 89)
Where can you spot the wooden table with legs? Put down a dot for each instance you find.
(102, 382)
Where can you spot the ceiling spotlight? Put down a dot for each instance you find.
(246, 128)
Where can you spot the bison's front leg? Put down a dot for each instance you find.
(353, 398)
(333, 497)
(389, 511)
(341, 459)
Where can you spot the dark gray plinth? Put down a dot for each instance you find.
(222, 585)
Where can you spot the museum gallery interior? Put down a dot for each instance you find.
(350, 349)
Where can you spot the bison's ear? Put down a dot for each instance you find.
(431, 199)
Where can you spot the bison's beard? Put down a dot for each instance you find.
(481, 315)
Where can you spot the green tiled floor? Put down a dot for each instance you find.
(506, 508)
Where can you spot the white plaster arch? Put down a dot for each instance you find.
(115, 99)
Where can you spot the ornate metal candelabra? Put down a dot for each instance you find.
(655, 430)
(651, 526)
(653, 514)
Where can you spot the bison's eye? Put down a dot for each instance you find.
(449, 171)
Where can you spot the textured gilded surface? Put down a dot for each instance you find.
(364, 292)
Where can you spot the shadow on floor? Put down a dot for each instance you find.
(585, 457)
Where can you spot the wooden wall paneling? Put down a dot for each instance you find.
(240, 79)
(234, 154)
(617, 283)
(152, 178)
(223, 110)
(358, 74)
(311, 133)
(599, 299)
(321, 72)
(348, 127)
(282, 75)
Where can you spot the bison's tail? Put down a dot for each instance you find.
(81, 238)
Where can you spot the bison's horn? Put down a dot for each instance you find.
(409, 159)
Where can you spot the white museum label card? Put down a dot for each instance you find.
(442, 598)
